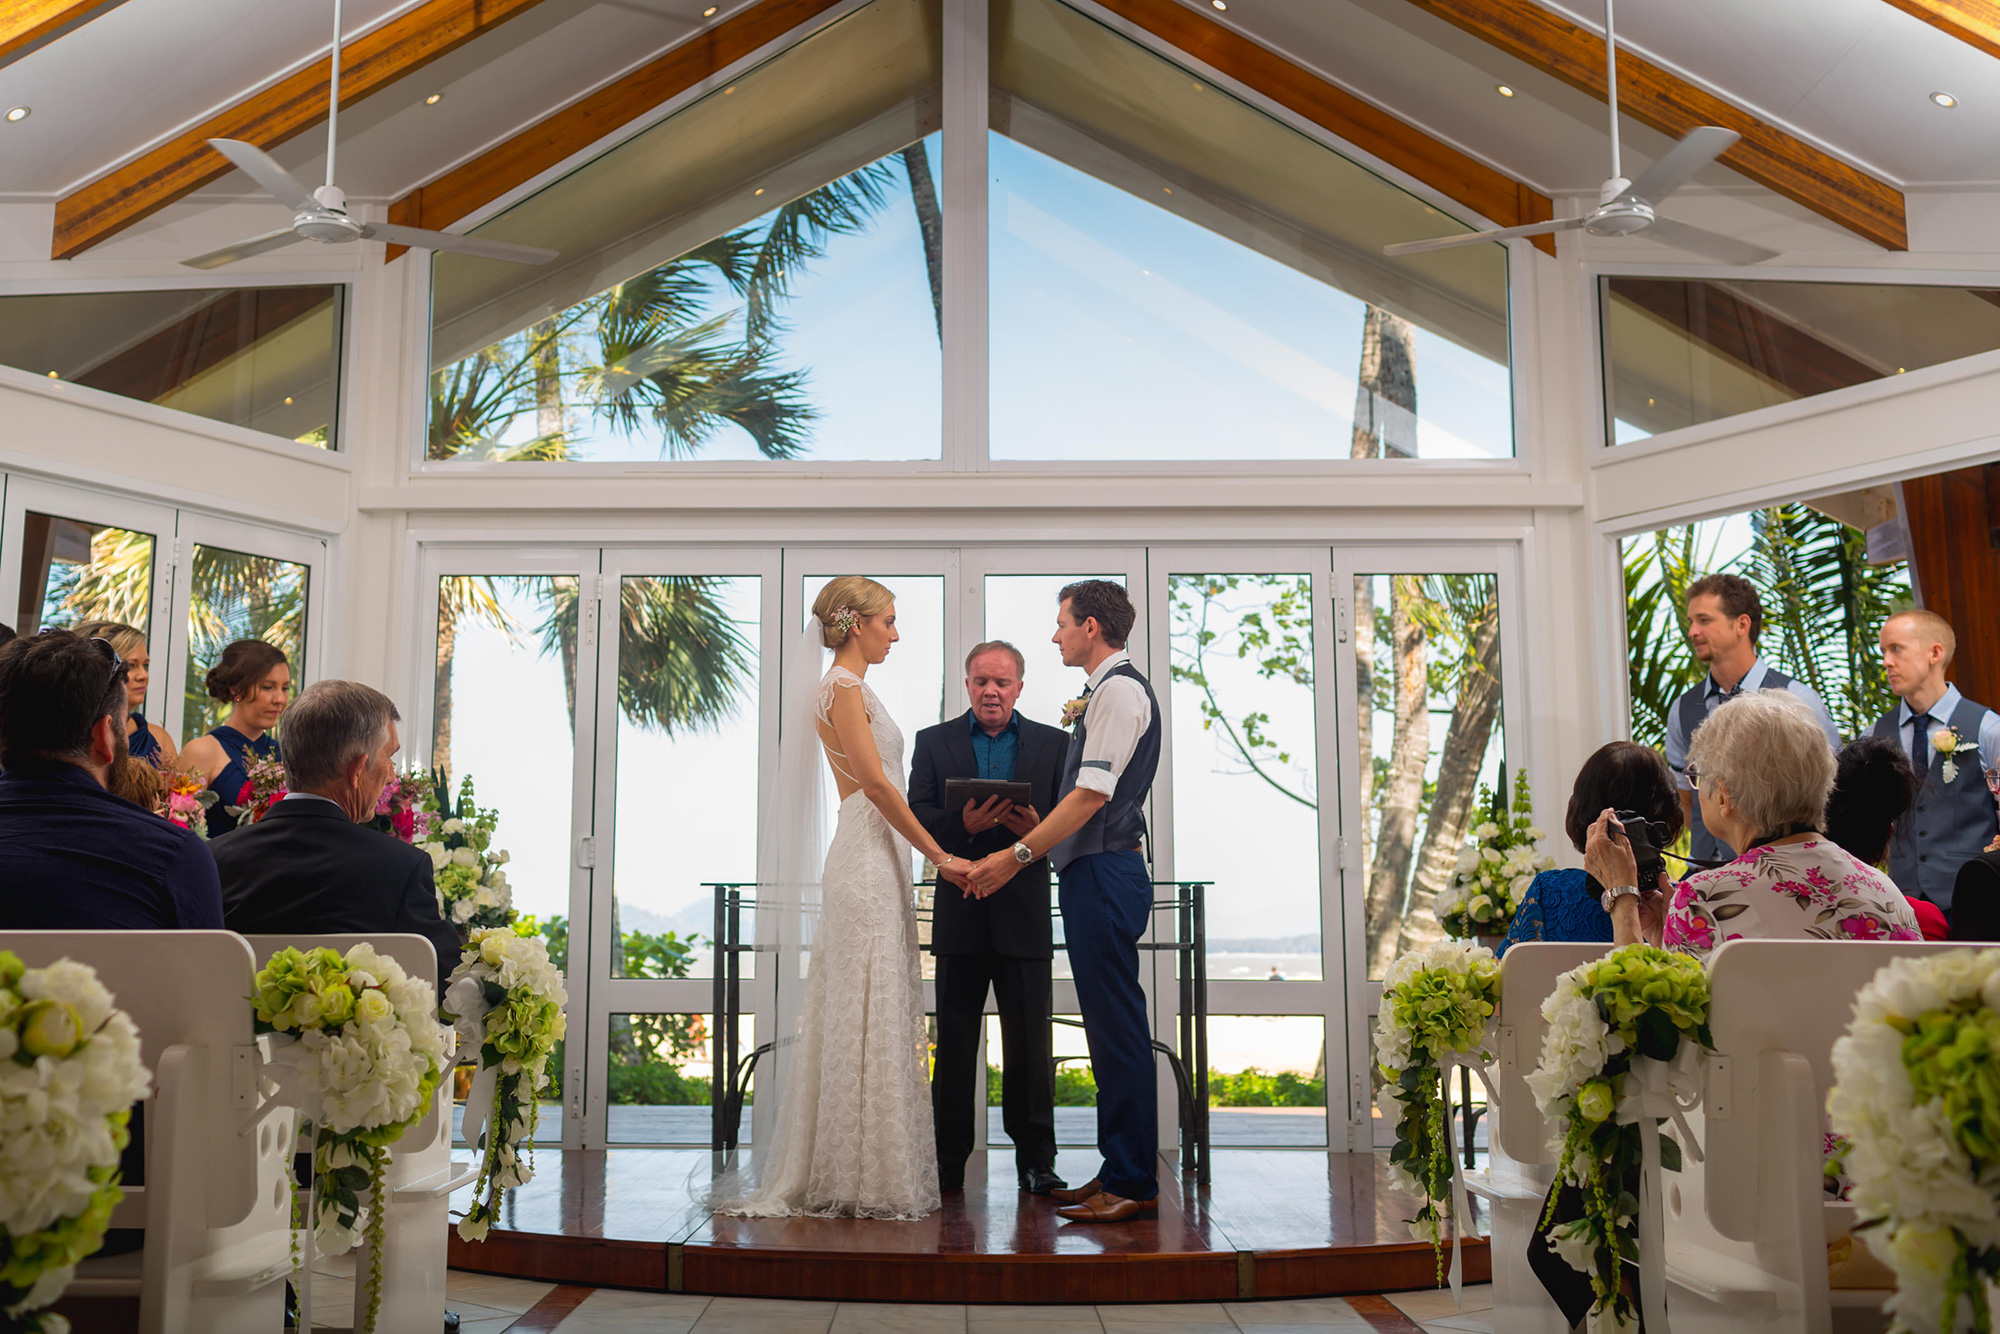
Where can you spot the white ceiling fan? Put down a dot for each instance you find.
(321, 215)
(1627, 207)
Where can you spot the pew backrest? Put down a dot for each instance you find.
(1528, 973)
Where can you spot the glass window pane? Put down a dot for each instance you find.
(661, 1070)
(503, 715)
(1076, 1088)
(1267, 1079)
(1427, 650)
(1176, 275)
(263, 357)
(1245, 758)
(688, 657)
(234, 595)
(73, 571)
(759, 276)
(1680, 352)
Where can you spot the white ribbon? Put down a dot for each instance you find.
(1460, 1210)
(1657, 1091)
(479, 1105)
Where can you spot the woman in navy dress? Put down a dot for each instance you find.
(146, 741)
(256, 681)
(1563, 904)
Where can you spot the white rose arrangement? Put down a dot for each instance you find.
(1437, 1002)
(473, 892)
(69, 1074)
(370, 1052)
(1915, 1096)
(506, 1000)
(1495, 870)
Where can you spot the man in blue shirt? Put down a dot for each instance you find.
(1725, 617)
(1003, 942)
(72, 856)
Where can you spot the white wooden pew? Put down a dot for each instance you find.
(1747, 1229)
(421, 1173)
(216, 1205)
(1519, 1169)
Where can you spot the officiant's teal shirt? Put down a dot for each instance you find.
(996, 754)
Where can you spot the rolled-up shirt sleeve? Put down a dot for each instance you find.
(1118, 716)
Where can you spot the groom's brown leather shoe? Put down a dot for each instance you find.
(1104, 1207)
(1079, 1194)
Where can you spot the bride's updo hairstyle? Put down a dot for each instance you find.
(852, 592)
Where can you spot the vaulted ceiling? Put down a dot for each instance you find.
(1852, 77)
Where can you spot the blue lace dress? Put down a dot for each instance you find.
(228, 784)
(1559, 905)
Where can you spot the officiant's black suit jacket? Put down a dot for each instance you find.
(305, 869)
(1014, 920)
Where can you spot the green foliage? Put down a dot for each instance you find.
(1255, 1088)
(646, 1050)
(1273, 629)
(654, 1084)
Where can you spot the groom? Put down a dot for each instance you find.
(1093, 838)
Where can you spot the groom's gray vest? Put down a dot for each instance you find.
(1950, 823)
(1693, 706)
(1120, 825)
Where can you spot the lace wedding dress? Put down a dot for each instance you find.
(854, 1134)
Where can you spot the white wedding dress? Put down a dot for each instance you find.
(854, 1136)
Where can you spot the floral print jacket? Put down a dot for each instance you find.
(1814, 890)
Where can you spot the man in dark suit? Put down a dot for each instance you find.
(309, 867)
(1004, 941)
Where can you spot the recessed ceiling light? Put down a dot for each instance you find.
(288, 400)
(1219, 4)
(20, 113)
(433, 99)
(55, 375)
(759, 190)
(1945, 100)
(1504, 90)
(708, 13)
(1168, 188)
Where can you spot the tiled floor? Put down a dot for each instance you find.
(489, 1305)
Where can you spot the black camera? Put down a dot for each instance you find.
(1647, 838)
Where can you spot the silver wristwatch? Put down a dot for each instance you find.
(1023, 854)
(1617, 892)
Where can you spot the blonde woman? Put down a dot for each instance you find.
(853, 1135)
(146, 741)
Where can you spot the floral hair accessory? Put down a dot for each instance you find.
(844, 619)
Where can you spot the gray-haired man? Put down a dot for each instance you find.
(309, 867)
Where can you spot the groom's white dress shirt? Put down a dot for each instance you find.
(1116, 717)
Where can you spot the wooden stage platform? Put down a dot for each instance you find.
(1274, 1223)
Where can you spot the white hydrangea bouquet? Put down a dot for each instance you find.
(1917, 1098)
(506, 1000)
(1437, 1002)
(69, 1074)
(472, 889)
(1636, 1002)
(1495, 869)
(369, 1053)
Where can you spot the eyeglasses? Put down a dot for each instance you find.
(119, 666)
(1694, 777)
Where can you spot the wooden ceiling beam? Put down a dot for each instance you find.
(173, 170)
(1670, 104)
(27, 24)
(1974, 22)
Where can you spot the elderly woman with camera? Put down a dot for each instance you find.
(1761, 771)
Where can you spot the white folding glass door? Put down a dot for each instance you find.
(687, 678)
(1250, 802)
(506, 697)
(1429, 680)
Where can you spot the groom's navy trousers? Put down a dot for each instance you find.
(1106, 899)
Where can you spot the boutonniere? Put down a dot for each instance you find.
(1072, 713)
(1947, 742)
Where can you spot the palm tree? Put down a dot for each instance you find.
(930, 223)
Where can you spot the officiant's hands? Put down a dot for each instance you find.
(1020, 819)
(982, 816)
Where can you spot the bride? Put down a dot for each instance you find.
(854, 1134)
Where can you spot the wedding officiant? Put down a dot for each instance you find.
(1005, 941)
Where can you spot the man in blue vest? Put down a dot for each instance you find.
(1095, 839)
(1951, 741)
(1725, 617)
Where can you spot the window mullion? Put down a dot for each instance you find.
(966, 387)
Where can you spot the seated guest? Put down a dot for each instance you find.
(1761, 772)
(1873, 786)
(6, 635)
(1950, 741)
(73, 857)
(1975, 900)
(310, 867)
(1563, 904)
(255, 680)
(147, 741)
